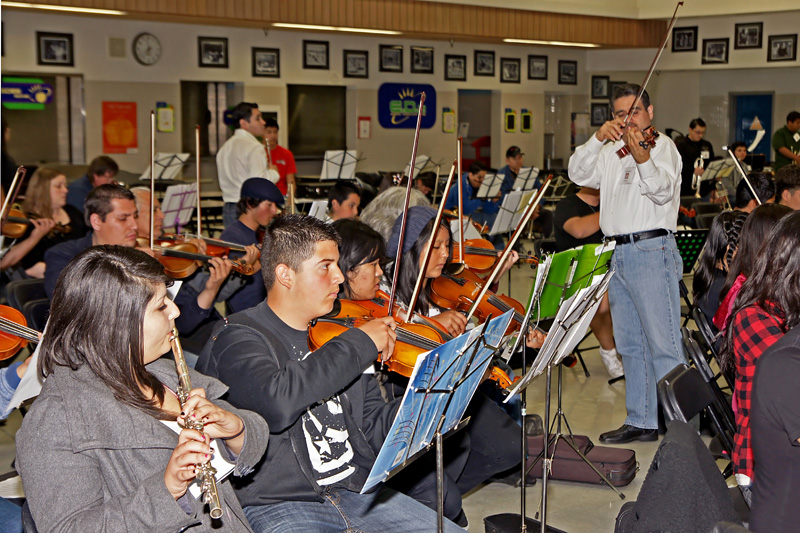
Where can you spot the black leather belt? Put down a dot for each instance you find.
(629, 238)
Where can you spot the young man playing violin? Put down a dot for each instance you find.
(327, 420)
(639, 211)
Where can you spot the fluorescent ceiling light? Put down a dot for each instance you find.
(551, 43)
(332, 28)
(47, 7)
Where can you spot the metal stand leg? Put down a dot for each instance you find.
(439, 483)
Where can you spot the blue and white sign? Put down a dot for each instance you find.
(398, 105)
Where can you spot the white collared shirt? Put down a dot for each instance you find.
(241, 157)
(633, 197)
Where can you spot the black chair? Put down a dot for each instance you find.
(36, 313)
(684, 291)
(682, 491)
(707, 333)
(546, 246)
(702, 208)
(687, 201)
(705, 220)
(20, 291)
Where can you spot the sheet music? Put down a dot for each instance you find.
(508, 209)
(339, 164)
(523, 204)
(415, 424)
(168, 166)
(178, 204)
(490, 187)
(526, 178)
(318, 209)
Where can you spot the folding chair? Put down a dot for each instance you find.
(36, 313)
(20, 291)
(707, 333)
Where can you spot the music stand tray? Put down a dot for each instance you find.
(512, 204)
(690, 243)
(490, 187)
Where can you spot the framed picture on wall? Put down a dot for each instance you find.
(422, 60)
(266, 62)
(212, 52)
(455, 68)
(782, 48)
(315, 55)
(537, 67)
(612, 87)
(54, 49)
(484, 63)
(748, 35)
(356, 64)
(601, 113)
(509, 70)
(715, 51)
(567, 72)
(391, 58)
(600, 86)
(684, 39)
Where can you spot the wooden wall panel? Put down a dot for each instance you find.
(429, 20)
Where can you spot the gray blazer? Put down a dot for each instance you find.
(91, 463)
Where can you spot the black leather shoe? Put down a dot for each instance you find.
(628, 434)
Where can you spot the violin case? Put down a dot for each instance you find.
(617, 464)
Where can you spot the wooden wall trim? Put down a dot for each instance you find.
(424, 20)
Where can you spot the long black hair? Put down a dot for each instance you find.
(721, 244)
(755, 229)
(97, 319)
(773, 283)
(360, 245)
(409, 271)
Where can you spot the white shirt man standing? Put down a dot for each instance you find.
(242, 157)
(639, 211)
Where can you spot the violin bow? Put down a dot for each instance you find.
(739, 167)
(152, 173)
(431, 241)
(197, 174)
(460, 207)
(529, 210)
(411, 169)
(18, 330)
(653, 65)
(16, 185)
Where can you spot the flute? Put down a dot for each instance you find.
(206, 472)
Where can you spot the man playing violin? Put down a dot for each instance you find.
(111, 213)
(641, 196)
(327, 420)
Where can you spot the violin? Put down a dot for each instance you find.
(460, 293)
(17, 223)
(650, 135)
(181, 260)
(214, 247)
(14, 332)
(379, 307)
(412, 339)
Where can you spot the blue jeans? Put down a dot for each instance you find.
(229, 216)
(384, 511)
(645, 309)
(11, 517)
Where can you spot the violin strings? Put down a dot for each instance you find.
(18, 330)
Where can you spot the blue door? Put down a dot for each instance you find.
(754, 112)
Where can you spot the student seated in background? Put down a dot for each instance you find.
(732, 178)
(763, 186)
(258, 204)
(480, 210)
(102, 171)
(344, 199)
(327, 419)
(100, 448)
(542, 218)
(786, 142)
(52, 221)
(576, 223)
(765, 309)
(787, 186)
(717, 256)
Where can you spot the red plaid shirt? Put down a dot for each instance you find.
(754, 330)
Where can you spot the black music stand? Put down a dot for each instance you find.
(490, 187)
(178, 205)
(438, 393)
(690, 244)
(339, 164)
(526, 179)
(167, 166)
